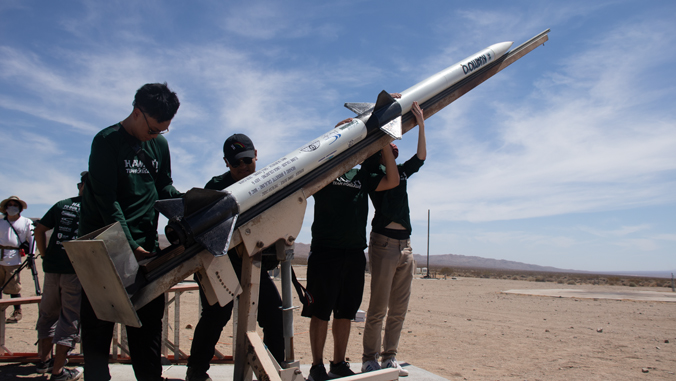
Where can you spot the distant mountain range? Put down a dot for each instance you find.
(302, 250)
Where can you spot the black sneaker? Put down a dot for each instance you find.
(341, 369)
(318, 373)
(67, 375)
(45, 366)
(193, 375)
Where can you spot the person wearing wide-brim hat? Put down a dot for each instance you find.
(15, 230)
(4, 202)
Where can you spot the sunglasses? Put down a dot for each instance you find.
(246, 160)
(150, 130)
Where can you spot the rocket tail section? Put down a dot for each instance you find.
(171, 208)
(384, 114)
(202, 216)
(385, 110)
(217, 239)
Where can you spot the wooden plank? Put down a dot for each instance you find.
(259, 360)
(183, 287)
(4, 303)
(388, 374)
(248, 309)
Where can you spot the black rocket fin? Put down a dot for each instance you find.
(170, 208)
(386, 110)
(196, 199)
(217, 239)
(359, 108)
(384, 99)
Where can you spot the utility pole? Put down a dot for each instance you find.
(428, 245)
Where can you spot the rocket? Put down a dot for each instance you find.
(209, 217)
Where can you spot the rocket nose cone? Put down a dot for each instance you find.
(501, 48)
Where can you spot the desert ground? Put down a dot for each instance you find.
(467, 329)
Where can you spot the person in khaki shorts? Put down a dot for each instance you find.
(391, 261)
(16, 234)
(59, 314)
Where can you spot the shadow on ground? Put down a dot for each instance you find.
(20, 371)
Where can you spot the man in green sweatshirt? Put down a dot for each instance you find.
(129, 169)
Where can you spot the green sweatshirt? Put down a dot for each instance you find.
(121, 189)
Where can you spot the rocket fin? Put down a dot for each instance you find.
(393, 128)
(384, 99)
(197, 199)
(386, 110)
(360, 108)
(217, 239)
(170, 208)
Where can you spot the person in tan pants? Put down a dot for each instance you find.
(391, 261)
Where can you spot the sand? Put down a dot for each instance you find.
(466, 329)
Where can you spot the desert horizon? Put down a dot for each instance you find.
(468, 329)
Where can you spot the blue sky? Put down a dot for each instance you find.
(566, 159)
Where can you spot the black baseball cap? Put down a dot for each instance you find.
(238, 146)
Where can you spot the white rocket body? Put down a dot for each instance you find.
(263, 183)
(426, 89)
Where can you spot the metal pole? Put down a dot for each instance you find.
(428, 244)
(673, 289)
(286, 253)
(287, 307)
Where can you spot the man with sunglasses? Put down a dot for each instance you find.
(129, 169)
(240, 158)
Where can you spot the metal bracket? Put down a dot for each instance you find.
(282, 221)
(218, 279)
(107, 251)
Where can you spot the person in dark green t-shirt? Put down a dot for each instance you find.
(129, 169)
(59, 312)
(239, 155)
(391, 261)
(335, 274)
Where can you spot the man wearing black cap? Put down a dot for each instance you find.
(59, 314)
(240, 158)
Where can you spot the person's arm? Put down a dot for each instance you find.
(41, 238)
(30, 239)
(391, 178)
(348, 120)
(422, 144)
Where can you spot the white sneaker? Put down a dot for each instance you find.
(392, 363)
(370, 366)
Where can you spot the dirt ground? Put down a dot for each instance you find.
(466, 329)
